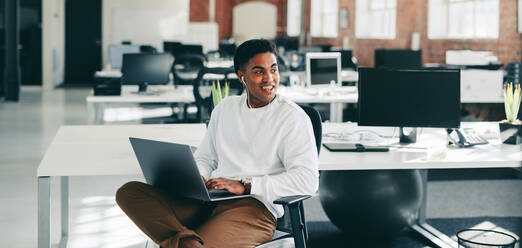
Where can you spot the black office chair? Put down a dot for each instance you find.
(186, 68)
(293, 222)
(204, 103)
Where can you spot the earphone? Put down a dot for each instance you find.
(243, 79)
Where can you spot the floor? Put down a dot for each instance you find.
(27, 127)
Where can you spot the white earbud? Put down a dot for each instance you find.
(243, 79)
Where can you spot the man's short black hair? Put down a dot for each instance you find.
(251, 48)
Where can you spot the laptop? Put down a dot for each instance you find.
(172, 168)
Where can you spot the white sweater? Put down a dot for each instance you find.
(274, 145)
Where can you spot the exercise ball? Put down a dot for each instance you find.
(371, 203)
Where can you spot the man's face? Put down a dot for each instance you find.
(261, 77)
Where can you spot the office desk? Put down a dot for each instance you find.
(335, 96)
(96, 150)
(96, 105)
(430, 152)
(105, 150)
(159, 94)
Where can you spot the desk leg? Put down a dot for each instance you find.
(336, 112)
(423, 228)
(95, 113)
(44, 212)
(64, 210)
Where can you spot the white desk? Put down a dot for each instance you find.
(105, 150)
(96, 105)
(160, 94)
(335, 96)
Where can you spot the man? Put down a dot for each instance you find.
(258, 143)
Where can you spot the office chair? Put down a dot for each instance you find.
(204, 103)
(186, 68)
(293, 222)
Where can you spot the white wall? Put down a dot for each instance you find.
(53, 39)
(254, 20)
(143, 22)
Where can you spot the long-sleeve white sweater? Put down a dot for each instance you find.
(274, 145)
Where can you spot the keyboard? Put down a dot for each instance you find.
(466, 137)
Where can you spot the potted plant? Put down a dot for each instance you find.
(511, 128)
(219, 93)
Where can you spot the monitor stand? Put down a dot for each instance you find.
(407, 136)
(142, 88)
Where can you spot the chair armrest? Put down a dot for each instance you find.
(289, 200)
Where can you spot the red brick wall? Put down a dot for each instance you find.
(199, 11)
(411, 17)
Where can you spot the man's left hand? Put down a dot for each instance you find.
(232, 186)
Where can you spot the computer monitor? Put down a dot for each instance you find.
(323, 69)
(116, 53)
(172, 47)
(399, 59)
(146, 68)
(227, 50)
(193, 49)
(409, 98)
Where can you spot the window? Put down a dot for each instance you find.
(375, 19)
(463, 19)
(324, 18)
(293, 17)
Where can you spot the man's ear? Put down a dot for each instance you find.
(241, 76)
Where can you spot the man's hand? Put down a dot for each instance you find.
(232, 186)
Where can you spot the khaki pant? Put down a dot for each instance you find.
(243, 222)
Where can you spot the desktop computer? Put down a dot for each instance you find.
(144, 68)
(407, 59)
(323, 69)
(409, 98)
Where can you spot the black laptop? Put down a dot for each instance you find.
(172, 168)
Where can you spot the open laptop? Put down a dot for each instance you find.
(172, 168)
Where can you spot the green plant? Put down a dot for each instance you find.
(219, 93)
(511, 101)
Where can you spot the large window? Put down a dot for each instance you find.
(463, 19)
(324, 18)
(375, 19)
(293, 17)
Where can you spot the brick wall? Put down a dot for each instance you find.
(411, 17)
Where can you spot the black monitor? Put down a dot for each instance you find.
(398, 58)
(146, 68)
(193, 49)
(172, 47)
(227, 50)
(409, 98)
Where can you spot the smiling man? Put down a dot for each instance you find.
(258, 143)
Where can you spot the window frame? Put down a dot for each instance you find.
(324, 15)
(370, 10)
(448, 35)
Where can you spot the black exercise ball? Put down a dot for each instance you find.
(371, 203)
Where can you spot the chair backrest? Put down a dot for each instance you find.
(186, 68)
(315, 118)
